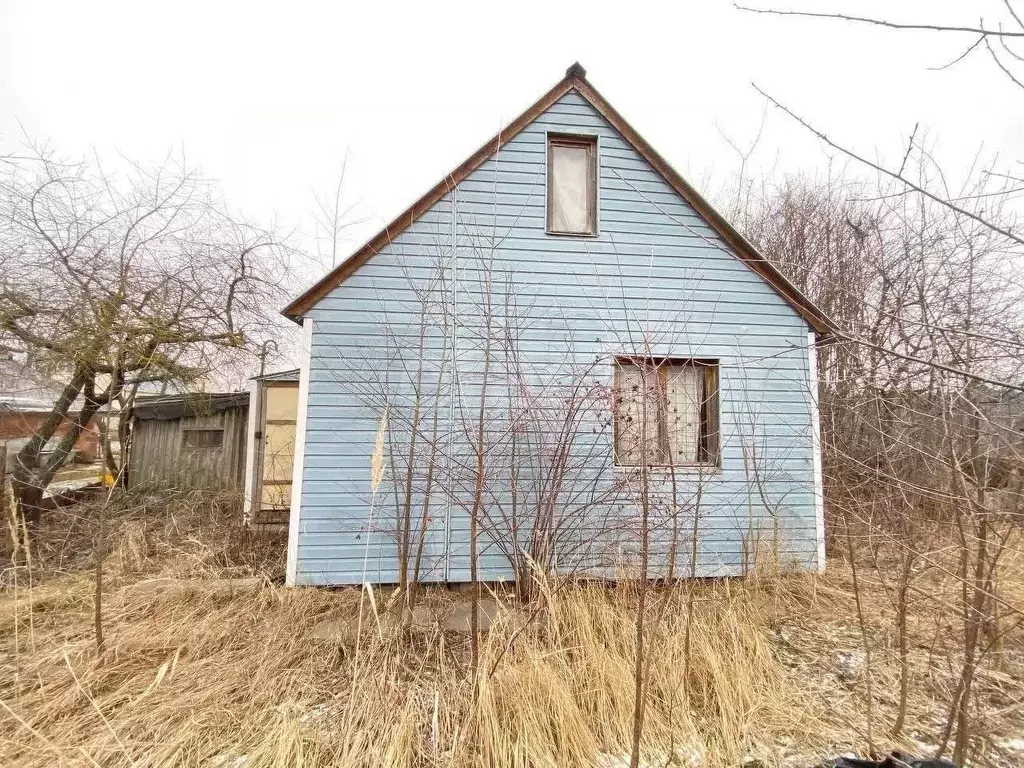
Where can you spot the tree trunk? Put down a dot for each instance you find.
(641, 605)
(28, 480)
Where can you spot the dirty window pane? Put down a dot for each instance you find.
(683, 412)
(638, 415)
(202, 439)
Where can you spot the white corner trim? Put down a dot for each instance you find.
(305, 354)
(250, 449)
(819, 489)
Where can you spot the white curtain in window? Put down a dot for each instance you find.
(684, 391)
(638, 396)
(570, 188)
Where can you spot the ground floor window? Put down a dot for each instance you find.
(666, 412)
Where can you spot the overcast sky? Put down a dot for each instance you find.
(270, 97)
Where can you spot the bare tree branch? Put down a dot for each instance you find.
(983, 31)
(1005, 232)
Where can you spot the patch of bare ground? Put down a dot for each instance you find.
(208, 661)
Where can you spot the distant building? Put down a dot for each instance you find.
(27, 398)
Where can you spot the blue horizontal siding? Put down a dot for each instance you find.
(574, 303)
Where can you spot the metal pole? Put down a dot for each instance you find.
(263, 353)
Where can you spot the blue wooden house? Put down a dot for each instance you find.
(558, 356)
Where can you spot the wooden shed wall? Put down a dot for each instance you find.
(158, 456)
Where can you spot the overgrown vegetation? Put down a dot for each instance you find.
(199, 670)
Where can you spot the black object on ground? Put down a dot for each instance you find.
(894, 759)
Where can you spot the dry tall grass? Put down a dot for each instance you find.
(197, 672)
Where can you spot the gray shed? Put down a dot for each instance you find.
(195, 440)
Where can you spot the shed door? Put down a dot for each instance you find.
(279, 414)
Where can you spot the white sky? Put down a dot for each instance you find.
(269, 97)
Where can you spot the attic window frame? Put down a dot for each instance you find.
(709, 449)
(592, 144)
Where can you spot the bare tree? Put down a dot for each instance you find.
(113, 280)
(333, 217)
(917, 433)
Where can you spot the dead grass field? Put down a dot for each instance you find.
(201, 671)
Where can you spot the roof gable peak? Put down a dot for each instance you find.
(576, 70)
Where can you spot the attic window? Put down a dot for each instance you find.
(666, 412)
(572, 185)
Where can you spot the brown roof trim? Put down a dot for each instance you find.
(575, 79)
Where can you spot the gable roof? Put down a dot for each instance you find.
(575, 80)
(289, 376)
(170, 407)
